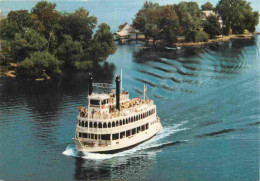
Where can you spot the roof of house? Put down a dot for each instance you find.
(127, 30)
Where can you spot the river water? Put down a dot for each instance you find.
(207, 99)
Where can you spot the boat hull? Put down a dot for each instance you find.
(121, 145)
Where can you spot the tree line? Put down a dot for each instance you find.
(186, 19)
(44, 41)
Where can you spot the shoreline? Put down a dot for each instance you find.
(10, 72)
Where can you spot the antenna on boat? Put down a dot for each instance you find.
(121, 80)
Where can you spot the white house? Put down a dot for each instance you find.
(128, 32)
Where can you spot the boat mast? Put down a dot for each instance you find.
(121, 81)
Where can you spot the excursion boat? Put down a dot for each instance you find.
(113, 122)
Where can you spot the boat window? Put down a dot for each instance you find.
(103, 102)
(113, 124)
(136, 118)
(94, 102)
(80, 134)
(105, 125)
(141, 116)
(84, 135)
(143, 128)
(133, 131)
(126, 121)
(109, 125)
(147, 126)
(105, 136)
(117, 123)
(123, 121)
(99, 125)
(115, 136)
(132, 119)
(138, 129)
(127, 133)
(86, 124)
(95, 124)
(90, 125)
(120, 122)
(79, 123)
(95, 137)
(122, 135)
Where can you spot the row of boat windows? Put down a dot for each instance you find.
(115, 136)
(116, 123)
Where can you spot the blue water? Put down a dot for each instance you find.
(208, 101)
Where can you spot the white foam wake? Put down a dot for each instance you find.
(156, 141)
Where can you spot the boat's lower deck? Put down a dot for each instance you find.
(119, 144)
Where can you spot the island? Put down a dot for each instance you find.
(43, 42)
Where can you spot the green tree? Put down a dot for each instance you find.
(46, 18)
(79, 25)
(69, 51)
(38, 65)
(103, 44)
(21, 18)
(23, 46)
(212, 26)
(237, 15)
(190, 18)
(207, 6)
(169, 23)
(8, 29)
(147, 20)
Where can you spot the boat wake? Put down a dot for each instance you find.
(153, 144)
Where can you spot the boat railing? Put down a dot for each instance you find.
(83, 112)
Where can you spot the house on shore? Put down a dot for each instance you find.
(128, 32)
(210, 12)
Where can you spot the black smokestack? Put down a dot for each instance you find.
(118, 92)
(90, 82)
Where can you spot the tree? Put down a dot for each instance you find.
(212, 26)
(147, 20)
(237, 15)
(8, 29)
(38, 65)
(103, 44)
(79, 25)
(169, 23)
(21, 18)
(190, 17)
(207, 6)
(69, 51)
(46, 18)
(23, 46)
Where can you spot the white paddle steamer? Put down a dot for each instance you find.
(113, 122)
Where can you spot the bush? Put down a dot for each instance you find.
(39, 64)
(201, 36)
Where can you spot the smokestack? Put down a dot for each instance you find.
(118, 92)
(90, 82)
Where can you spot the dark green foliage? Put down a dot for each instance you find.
(23, 46)
(104, 44)
(79, 25)
(165, 22)
(39, 64)
(237, 15)
(8, 29)
(201, 36)
(66, 38)
(69, 51)
(207, 6)
(21, 18)
(212, 26)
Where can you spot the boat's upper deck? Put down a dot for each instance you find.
(103, 106)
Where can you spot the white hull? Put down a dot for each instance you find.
(121, 144)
